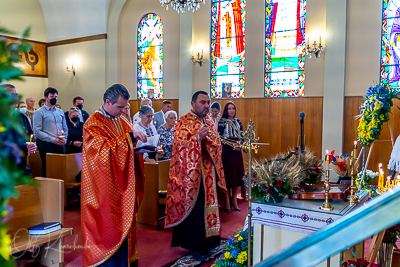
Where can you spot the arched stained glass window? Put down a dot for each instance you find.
(390, 49)
(285, 48)
(228, 26)
(150, 42)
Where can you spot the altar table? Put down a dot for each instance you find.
(279, 225)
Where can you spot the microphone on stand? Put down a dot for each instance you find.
(302, 115)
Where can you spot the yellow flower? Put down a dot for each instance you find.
(5, 245)
(227, 255)
(242, 257)
(240, 238)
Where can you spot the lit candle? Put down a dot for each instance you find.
(388, 182)
(319, 40)
(155, 123)
(30, 141)
(308, 41)
(398, 180)
(354, 155)
(381, 175)
(327, 159)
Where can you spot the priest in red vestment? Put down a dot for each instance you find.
(112, 183)
(196, 171)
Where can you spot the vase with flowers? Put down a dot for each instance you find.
(389, 240)
(358, 263)
(340, 164)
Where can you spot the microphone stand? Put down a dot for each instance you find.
(302, 135)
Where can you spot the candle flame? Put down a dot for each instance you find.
(31, 135)
(388, 178)
(398, 177)
(327, 152)
(380, 165)
(62, 131)
(355, 142)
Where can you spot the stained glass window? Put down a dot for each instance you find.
(150, 72)
(390, 49)
(285, 48)
(228, 26)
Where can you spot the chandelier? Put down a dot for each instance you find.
(180, 5)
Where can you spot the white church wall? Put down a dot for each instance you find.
(74, 18)
(364, 18)
(16, 15)
(89, 81)
(131, 14)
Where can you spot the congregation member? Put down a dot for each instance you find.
(159, 117)
(232, 159)
(192, 203)
(50, 127)
(127, 113)
(30, 106)
(145, 126)
(112, 184)
(146, 101)
(75, 132)
(21, 107)
(17, 138)
(41, 102)
(77, 102)
(166, 132)
(215, 113)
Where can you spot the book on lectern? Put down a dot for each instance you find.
(44, 228)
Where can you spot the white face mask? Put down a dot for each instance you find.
(23, 110)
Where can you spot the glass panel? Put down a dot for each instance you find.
(285, 48)
(228, 28)
(390, 48)
(150, 55)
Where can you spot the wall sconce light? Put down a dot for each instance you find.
(199, 59)
(70, 67)
(315, 50)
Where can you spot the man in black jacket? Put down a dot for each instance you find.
(78, 103)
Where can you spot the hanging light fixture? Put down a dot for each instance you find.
(180, 5)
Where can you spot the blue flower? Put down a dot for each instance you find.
(230, 241)
(234, 253)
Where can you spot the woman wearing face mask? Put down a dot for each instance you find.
(75, 132)
(166, 132)
(22, 107)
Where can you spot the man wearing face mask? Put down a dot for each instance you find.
(50, 127)
(78, 103)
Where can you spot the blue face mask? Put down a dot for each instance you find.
(23, 110)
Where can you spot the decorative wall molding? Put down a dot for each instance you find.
(78, 40)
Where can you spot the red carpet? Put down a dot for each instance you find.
(154, 246)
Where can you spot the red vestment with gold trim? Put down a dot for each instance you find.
(192, 160)
(111, 190)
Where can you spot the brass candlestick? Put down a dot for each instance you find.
(353, 198)
(327, 186)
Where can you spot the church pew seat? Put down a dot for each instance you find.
(36, 205)
(156, 180)
(64, 167)
(35, 163)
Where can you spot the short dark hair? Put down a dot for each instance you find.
(114, 92)
(78, 98)
(41, 101)
(165, 102)
(225, 113)
(216, 105)
(50, 90)
(7, 85)
(195, 95)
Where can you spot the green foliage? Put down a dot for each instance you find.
(10, 127)
(9, 55)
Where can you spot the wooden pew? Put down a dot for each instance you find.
(35, 163)
(156, 179)
(36, 205)
(64, 167)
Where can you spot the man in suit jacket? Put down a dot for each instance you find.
(158, 118)
(78, 103)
